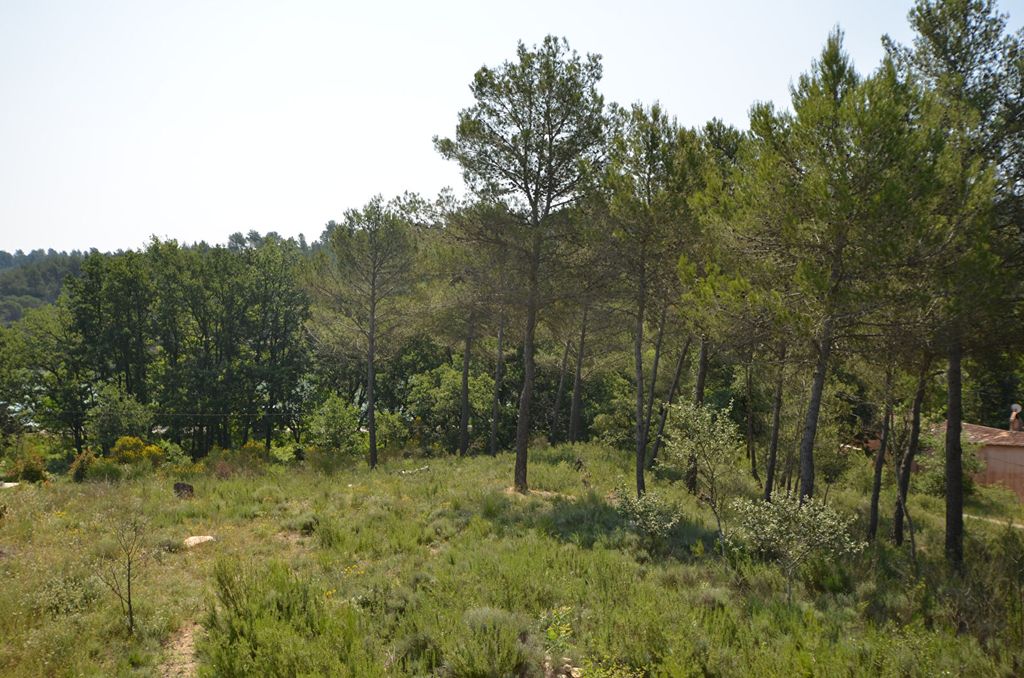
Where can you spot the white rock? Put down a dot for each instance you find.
(195, 541)
(4, 486)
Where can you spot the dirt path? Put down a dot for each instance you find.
(181, 653)
(993, 520)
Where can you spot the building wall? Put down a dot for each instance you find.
(1004, 465)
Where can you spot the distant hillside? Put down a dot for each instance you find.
(33, 279)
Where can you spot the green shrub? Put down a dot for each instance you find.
(29, 467)
(651, 517)
(186, 469)
(255, 450)
(283, 454)
(703, 444)
(558, 629)
(434, 404)
(792, 532)
(117, 414)
(172, 454)
(80, 466)
(490, 642)
(104, 470)
(334, 428)
(250, 459)
(269, 622)
(392, 432)
(932, 478)
(66, 595)
(132, 450)
(324, 461)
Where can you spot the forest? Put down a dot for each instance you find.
(740, 351)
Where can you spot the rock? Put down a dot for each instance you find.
(4, 486)
(184, 491)
(196, 541)
(576, 673)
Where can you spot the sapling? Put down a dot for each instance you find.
(122, 567)
(791, 531)
(705, 435)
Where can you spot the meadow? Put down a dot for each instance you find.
(435, 567)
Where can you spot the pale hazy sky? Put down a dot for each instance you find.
(192, 120)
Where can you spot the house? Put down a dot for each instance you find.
(1002, 453)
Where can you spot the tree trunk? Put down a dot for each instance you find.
(903, 480)
(813, 408)
(751, 451)
(496, 401)
(954, 460)
(698, 399)
(529, 368)
(638, 364)
(702, 372)
(128, 599)
(876, 484)
(559, 394)
(371, 419)
(654, 379)
(577, 385)
(673, 389)
(464, 396)
(773, 445)
(268, 432)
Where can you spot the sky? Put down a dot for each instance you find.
(194, 120)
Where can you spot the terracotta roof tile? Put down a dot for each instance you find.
(986, 435)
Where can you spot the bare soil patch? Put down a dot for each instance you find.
(181, 653)
(542, 494)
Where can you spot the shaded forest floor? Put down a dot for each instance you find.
(421, 550)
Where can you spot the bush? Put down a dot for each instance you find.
(327, 461)
(104, 470)
(932, 478)
(703, 443)
(392, 432)
(250, 459)
(27, 458)
(172, 454)
(651, 517)
(80, 466)
(117, 414)
(284, 454)
(254, 451)
(434, 403)
(334, 428)
(792, 532)
(186, 469)
(269, 622)
(615, 426)
(131, 450)
(67, 595)
(29, 467)
(491, 642)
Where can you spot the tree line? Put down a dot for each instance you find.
(832, 275)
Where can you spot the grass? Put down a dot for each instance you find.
(444, 571)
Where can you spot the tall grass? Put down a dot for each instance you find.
(445, 572)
